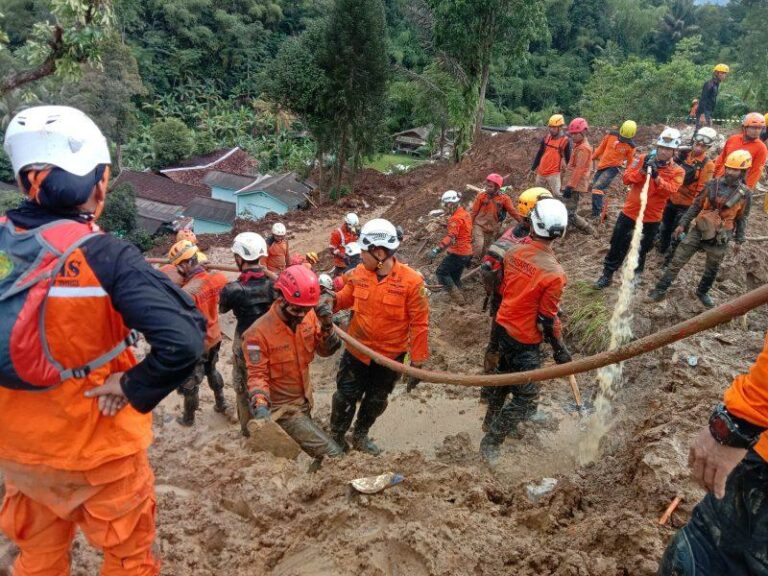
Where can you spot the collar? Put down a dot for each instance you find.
(31, 215)
(252, 274)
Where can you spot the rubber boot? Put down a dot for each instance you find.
(342, 414)
(705, 284)
(362, 443)
(604, 281)
(659, 292)
(490, 450)
(370, 409)
(190, 407)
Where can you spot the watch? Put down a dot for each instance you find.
(729, 430)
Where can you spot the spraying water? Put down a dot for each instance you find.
(620, 327)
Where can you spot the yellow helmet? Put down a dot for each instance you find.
(628, 129)
(556, 120)
(182, 251)
(739, 159)
(528, 199)
(201, 257)
(312, 258)
(766, 118)
(722, 68)
(186, 234)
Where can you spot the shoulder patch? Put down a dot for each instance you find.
(254, 353)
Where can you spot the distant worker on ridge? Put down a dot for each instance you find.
(708, 99)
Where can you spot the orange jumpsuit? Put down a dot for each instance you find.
(487, 211)
(579, 167)
(759, 155)
(278, 258)
(458, 239)
(339, 240)
(659, 190)
(204, 288)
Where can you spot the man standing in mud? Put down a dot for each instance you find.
(533, 285)
(728, 530)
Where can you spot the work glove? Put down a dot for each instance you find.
(491, 361)
(650, 162)
(260, 412)
(679, 233)
(567, 192)
(561, 355)
(324, 313)
(432, 254)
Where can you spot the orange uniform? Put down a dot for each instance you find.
(278, 358)
(339, 240)
(755, 147)
(552, 152)
(614, 151)
(172, 273)
(391, 314)
(747, 398)
(487, 211)
(533, 285)
(698, 171)
(458, 240)
(204, 288)
(278, 258)
(579, 167)
(670, 179)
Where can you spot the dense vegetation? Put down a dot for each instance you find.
(297, 80)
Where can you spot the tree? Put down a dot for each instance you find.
(752, 53)
(676, 24)
(171, 142)
(119, 216)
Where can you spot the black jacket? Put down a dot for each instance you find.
(249, 300)
(708, 98)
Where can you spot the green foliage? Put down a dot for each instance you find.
(120, 217)
(6, 169)
(171, 142)
(9, 201)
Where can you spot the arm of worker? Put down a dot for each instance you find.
(549, 306)
(635, 174)
(345, 297)
(476, 207)
(287, 255)
(151, 304)
(335, 244)
(666, 185)
(510, 208)
(567, 152)
(740, 232)
(227, 297)
(691, 213)
(256, 354)
(417, 307)
(600, 149)
(756, 171)
(539, 154)
(326, 339)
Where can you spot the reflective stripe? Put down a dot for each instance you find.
(74, 292)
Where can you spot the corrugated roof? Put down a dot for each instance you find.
(160, 189)
(194, 170)
(421, 132)
(212, 210)
(286, 188)
(228, 181)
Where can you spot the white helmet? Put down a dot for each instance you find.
(59, 135)
(249, 246)
(326, 282)
(549, 218)
(451, 197)
(278, 229)
(352, 249)
(706, 136)
(670, 138)
(379, 232)
(351, 219)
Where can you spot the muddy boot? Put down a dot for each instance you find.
(362, 443)
(342, 414)
(220, 404)
(581, 224)
(657, 294)
(457, 297)
(604, 281)
(705, 299)
(190, 407)
(705, 284)
(490, 451)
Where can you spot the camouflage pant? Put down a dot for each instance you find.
(728, 536)
(685, 250)
(240, 384)
(300, 426)
(205, 368)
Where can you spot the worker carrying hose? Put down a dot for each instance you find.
(391, 316)
(457, 242)
(699, 170)
(278, 349)
(533, 285)
(76, 415)
(577, 173)
(553, 155)
(204, 288)
(718, 215)
(249, 298)
(749, 140)
(666, 178)
(727, 532)
(489, 210)
(616, 150)
(341, 237)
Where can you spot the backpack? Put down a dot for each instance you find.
(29, 263)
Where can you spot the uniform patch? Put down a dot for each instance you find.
(6, 265)
(254, 353)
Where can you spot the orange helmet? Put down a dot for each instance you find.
(186, 234)
(181, 252)
(754, 119)
(739, 160)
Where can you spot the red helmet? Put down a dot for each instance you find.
(577, 126)
(297, 259)
(299, 286)
(496, 179)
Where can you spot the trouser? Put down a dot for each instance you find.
(450, 270)
(481, 241)
(621, 240)
(367, 384)
(571, 201)
(669, 221)
(493, 362)
(600, 183)
(728, 536)
(702, 119)
(300, 426)
(687, 248)
(503, 416)
(240, 384)
(205, 368)
(113, 505)
(551, 183)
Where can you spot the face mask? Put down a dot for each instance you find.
(292, 314)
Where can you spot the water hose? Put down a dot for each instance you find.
(704, 321)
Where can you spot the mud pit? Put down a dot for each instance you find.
(225, 510)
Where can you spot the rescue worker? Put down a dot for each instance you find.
(708, 99)
(278, 349)
(457, 243)
(489, 210)
(204, 288)
(533, 285)
(492, 270)
(278, 255)
(348, 232)
(169, 269)
(354, 256)
(692, 114)
(75, 455)
(553, 155)
(616, 150)
(729, 458)
(699, 170)
(718, 215)
(666, 178)
(249, 298)
(391, 316)
(749, 140)
(577, 173)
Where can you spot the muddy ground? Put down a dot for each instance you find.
(223, 509)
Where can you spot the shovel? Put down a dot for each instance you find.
(268, 436)
(578, 405)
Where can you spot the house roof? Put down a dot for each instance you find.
(212, 210)
(151, 186)
(8, 187)
(286, 188)
(228, 181)
(421, 132)
(194, 170)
